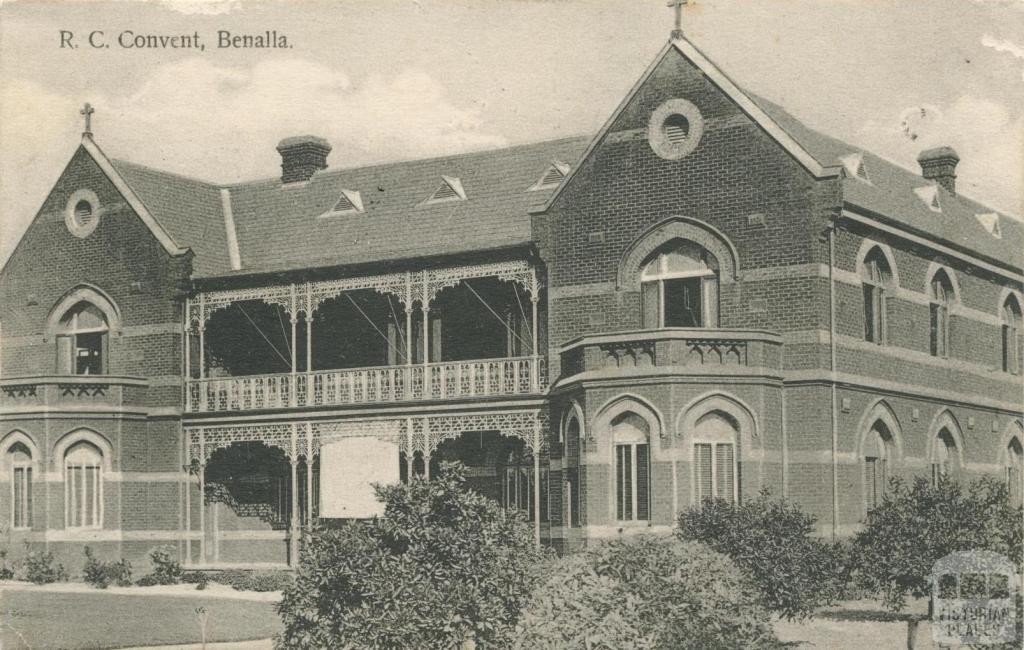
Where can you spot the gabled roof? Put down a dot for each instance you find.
(277, 229)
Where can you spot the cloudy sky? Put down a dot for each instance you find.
(390, 79)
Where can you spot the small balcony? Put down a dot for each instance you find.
(375, 385)
(674, 351)
(93, 393)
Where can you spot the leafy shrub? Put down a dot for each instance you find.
(6, 568)
(253, 580)
(445, 566)
(644, 594)
(771, 540)
(166, 569)
(918, 523)
(40, 569)
(101, 574)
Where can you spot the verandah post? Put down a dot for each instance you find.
(536, 482)
(293, 459)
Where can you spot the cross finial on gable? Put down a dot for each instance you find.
(678, 5)
(87, 111)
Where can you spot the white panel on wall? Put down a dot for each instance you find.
(347, 470)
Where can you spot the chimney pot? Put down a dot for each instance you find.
(939, 165)
(302, 156)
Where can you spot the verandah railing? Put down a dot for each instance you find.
(433, 381)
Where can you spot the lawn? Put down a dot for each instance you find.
(48, 619)
(855, 625)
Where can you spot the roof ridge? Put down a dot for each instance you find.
(154, 170)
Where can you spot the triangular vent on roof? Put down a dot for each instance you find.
(991, 222)
(349, 201)
(552, 177)
(930, 195)
(853, 165)
(450, 190)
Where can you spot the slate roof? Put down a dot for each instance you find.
(279, 227)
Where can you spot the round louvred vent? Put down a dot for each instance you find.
(82, 213)
(675, 129)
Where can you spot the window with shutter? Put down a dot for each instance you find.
(725, 486)
(714, 457)
(632, 468)
(704, 472)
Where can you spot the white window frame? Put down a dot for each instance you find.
(26, 511)
(714, 443)
(72, 331)
(664, 274)
(70, 488)
(634, 492)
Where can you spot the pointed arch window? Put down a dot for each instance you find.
(876, 276)
(714, 458)
(83, 487)
(572, 441)
(1014, 465)
(631, 442)
(82, 339)
(19, 459)
(878, 455)
(679, 287)
(1011, 336)
(941, 297)
(944, 456)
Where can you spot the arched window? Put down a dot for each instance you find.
(876, 277)
(83, 486)
(1011, 335)
(941, 297)
(630, 440)
(679, 287)
(82, 341)
(571, 516)
(1014, 464)
(19, 460)
(877, 456)
(714, 457)
(944, 456)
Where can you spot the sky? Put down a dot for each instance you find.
(398, 79)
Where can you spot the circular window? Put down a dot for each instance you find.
(675, 129)
(82, 214)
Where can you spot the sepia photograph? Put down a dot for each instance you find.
(511, 324)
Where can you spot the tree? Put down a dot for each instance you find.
(445, 566)
(772, 541)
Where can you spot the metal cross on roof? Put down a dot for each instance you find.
(678, 4)
(87, 111)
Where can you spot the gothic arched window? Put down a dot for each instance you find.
(83, 486)
(714, 458)
(82, 341)
(944, 456)
(19, 460)
(679, 287)
(1014, 465)
(1011, 335)
(876, 276)
(878, 453)
(631, 442)
(941, 297)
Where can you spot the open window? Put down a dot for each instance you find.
(82, 340)
(679, 287)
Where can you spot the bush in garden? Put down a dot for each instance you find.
(771, 540)
(645, 593)
(252, 580)
(101, 574)
(6, 568)
(918, 523)
(40, 568)
(166, 568)
(443, 567)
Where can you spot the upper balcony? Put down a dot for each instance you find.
(437, 334)
(676, 351)
(85, 393)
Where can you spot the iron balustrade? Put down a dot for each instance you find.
(374, 385)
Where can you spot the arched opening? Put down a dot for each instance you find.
(83, 486)
(945, 456)
(679, 287)
(572, 440)
(1014, 476)
(878, 456)
(876, 276)
(715, 467)
(941, 296)
(1011, 335)
(19, 463)
(630, 434)
(82, 340)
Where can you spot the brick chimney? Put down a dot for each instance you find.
(939, 165)
(301, 157)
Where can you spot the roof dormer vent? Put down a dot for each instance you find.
(929, 194)
(349, 202)
(853, 167)
(449, 190)
(552, 176)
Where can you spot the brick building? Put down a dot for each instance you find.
(703, 299)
